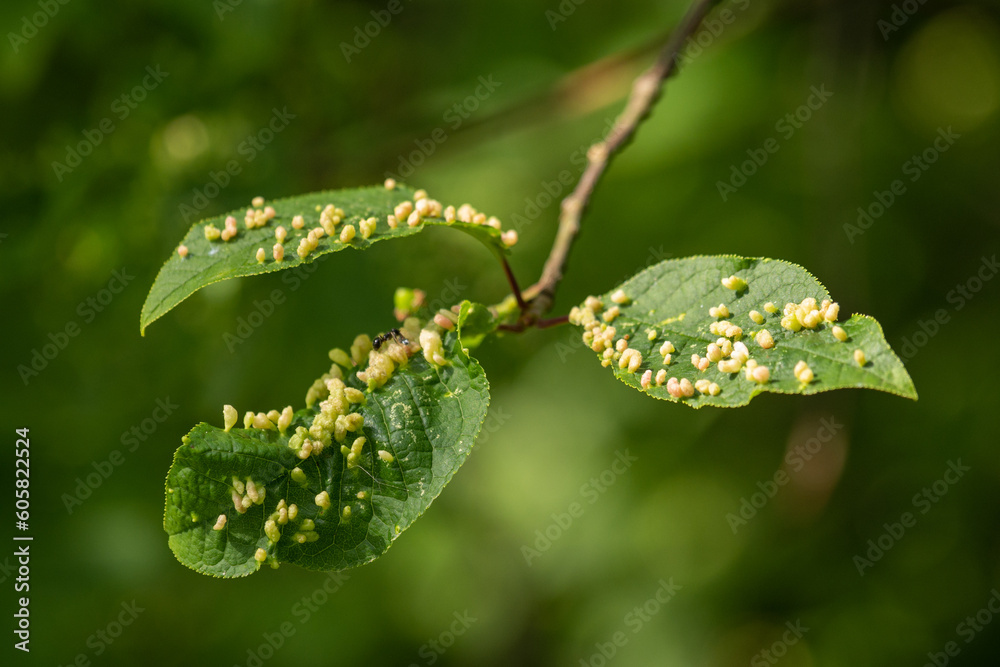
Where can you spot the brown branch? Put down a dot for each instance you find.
(645, 91)
(513, 284)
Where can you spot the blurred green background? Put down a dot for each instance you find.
(557, 419)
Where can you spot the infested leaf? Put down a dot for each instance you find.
(424, 420)
(670, 301)
(208, 262)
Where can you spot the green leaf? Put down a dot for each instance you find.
(671, 301)
(426, 416)
(209, 262)
(475, 322)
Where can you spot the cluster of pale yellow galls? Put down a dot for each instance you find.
(244, 495)
(728, 352)
(599, 336)
(334, 421)
(808, 314)
(413, 213)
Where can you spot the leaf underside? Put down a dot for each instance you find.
(673, 298)
(209, 262)
(427, 417)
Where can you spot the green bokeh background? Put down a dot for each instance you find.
(557, 418)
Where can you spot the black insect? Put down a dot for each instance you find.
(392, 333)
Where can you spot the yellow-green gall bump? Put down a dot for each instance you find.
(720, 311)
(323, 500)
(338, 356)
(386, 456)
(620, 297)
(631, 360)
(859, 357)
(730, 366)
(367, 227)
(260, 555)
(220, 523)
(272, 531)
(764, 339)
(432, 346)
(839, 334)
(212, 233)
(756, 317)
(182, 250)
(285, 418)
(355, 395)
(734, 283)
(803, 373)
(229, 417)
(771, 308)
